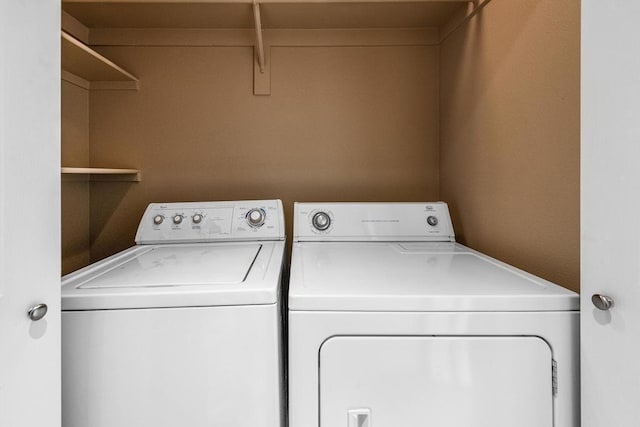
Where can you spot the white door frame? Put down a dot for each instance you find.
(610, 213)
(29, 212)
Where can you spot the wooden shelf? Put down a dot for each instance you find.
(277, 14)
(103, 174)
(228, 23)
(82, 61)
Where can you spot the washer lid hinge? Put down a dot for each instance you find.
(554, 377)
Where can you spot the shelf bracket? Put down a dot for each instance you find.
(473, 8)
(261, 69)
(259, 44)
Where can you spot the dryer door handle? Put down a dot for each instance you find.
(360, 417)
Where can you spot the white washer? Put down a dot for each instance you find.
(392, 323)
(184, 328)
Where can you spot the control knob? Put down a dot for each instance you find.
(157, 220)
(196, 218)
(255, 217)
(177, 219)
(432, 220)
(321, 221)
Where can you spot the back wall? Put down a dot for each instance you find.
(341, 123)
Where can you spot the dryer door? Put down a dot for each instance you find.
(455, 381)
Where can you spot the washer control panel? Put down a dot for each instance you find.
(372, 222)
(212, 221)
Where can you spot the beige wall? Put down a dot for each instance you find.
(488, 121)
(75, 193)
(509, 134)
(342, 123)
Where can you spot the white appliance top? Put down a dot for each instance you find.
(181, 271)
(249, 220)
(172, 265)
(372, 222)
(182, 275)
(406, 275)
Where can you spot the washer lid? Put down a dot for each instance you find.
(178, 275)
(414, 277)
(178, 265)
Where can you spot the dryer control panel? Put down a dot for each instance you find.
(365, 222)
(211, 221)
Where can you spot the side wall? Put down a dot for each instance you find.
(75, 191)
(510, 134)
(341, 123)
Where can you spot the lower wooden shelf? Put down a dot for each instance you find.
(101, 174)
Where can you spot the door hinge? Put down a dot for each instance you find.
(554, 377)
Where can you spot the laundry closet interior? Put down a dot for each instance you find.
(475, 103)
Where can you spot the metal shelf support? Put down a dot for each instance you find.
(259, 43)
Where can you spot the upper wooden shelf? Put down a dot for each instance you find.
(276, 14)
(84, 62)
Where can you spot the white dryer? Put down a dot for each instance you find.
(392, 323)
(184, 328)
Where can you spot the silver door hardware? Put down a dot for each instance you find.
(602, 302)
(37, 312)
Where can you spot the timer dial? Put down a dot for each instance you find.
(432, 220)
(255, 217)
(321, 221)
(157, 220)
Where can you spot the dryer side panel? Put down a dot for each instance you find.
(452, 381)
